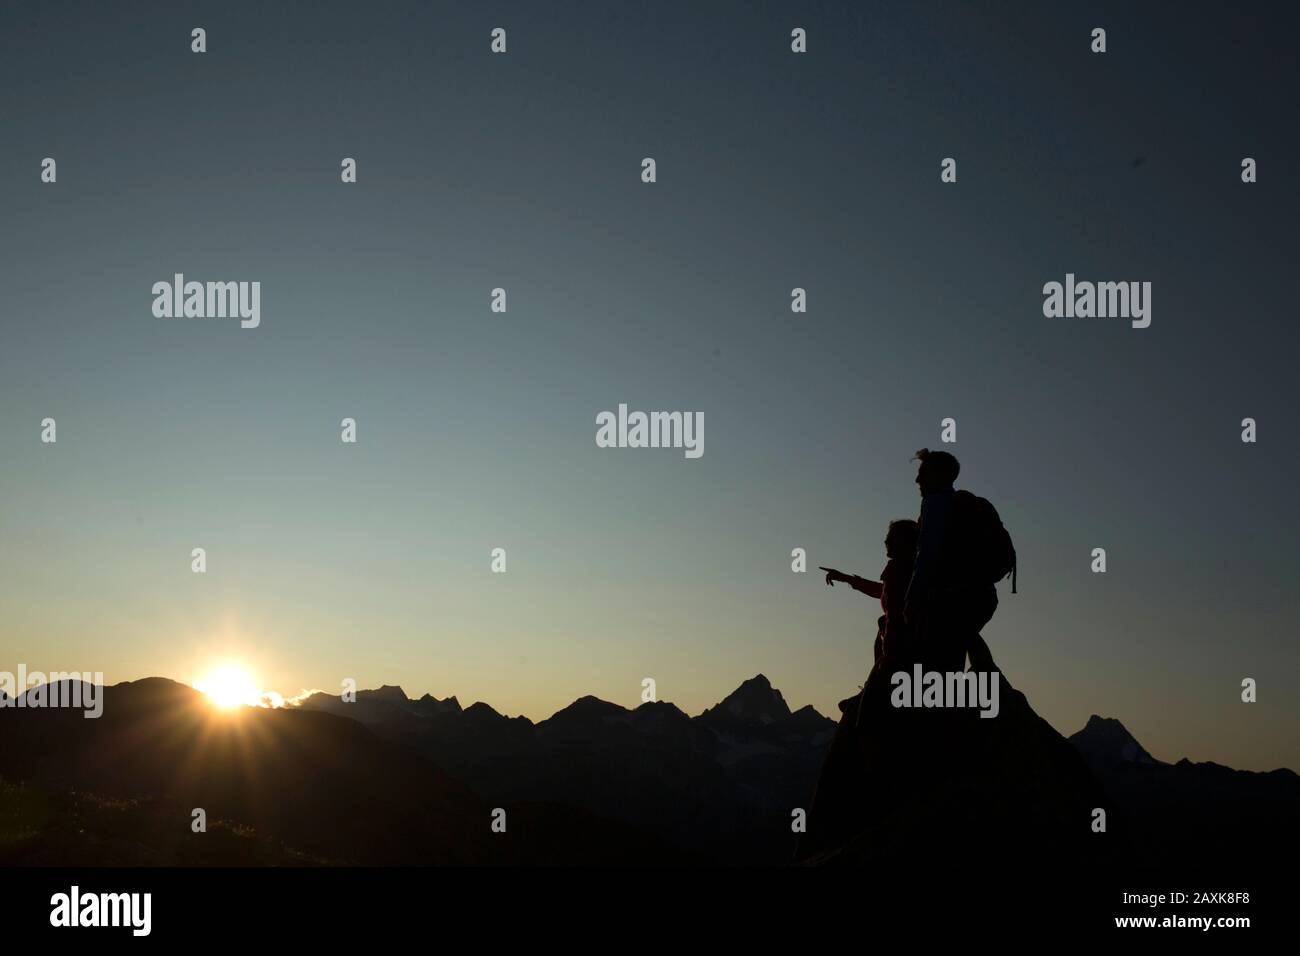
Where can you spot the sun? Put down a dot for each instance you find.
(230, 685)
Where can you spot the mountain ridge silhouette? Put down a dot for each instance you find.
(390, 779)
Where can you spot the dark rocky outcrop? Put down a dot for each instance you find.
(907, 787)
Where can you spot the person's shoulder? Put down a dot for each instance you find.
(896, 568)
(964, 498)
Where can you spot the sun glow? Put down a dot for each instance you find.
(230, 685)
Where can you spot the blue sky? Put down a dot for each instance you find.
(476, 430)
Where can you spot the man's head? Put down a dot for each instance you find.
(937, 471)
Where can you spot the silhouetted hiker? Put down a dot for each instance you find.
(962, 552)
(900, 550)
(836, 804)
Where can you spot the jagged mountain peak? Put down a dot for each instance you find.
(431, 706)
(479, 708)
(589, 706)
(1105, 742)
(391, 693)
(755, 701)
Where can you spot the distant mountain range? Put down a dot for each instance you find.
(390, 779)
(719, 786)
(1195, 815)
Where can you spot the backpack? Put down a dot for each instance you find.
(989, 556)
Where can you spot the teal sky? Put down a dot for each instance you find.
(476, 430)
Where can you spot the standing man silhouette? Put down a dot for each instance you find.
(946, 604)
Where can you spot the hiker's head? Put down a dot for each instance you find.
(937, 471)
(901, 538)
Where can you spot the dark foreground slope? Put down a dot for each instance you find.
(390, 780)
(277, 786)
(950, 792)
(945, 789)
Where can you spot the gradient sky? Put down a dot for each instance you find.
(476, 430)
